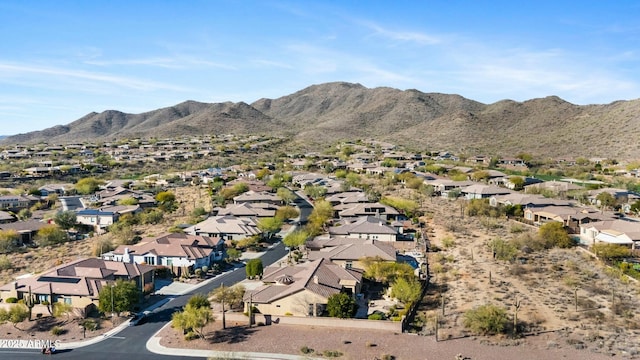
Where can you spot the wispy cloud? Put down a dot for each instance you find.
(271, 64)
(12, 71)
(419, 38)
(522, 73)
(163, 62)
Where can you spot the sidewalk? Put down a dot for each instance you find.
(177, 289)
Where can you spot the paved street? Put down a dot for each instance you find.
(131, 342)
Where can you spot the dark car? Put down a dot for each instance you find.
(138, 319)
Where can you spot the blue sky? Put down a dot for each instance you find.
(63, 59)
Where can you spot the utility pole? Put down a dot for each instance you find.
(112, 301)
(250, 308)
(224, 324)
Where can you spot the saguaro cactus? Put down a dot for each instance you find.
(30, 302)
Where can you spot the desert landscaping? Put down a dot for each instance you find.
(544, 284)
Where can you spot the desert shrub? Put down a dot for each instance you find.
(306, 350)
(44, 302)
(486, 319)
(517, 270)
(527, 242)
(89, 324)
(57, 330)
(191, 336)
(102, 246)
(554, 235)
(163, 272)
(12, 300)
(377, 316)
(388, 357)
(570, 281)
(331, 353)
(502, 249)
(448, 242)
(5, 263)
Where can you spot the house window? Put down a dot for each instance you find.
(348, 264)
(67, 300)
(42, 298)
(169, 262)
(150, 260)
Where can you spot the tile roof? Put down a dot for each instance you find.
(319, 277)
(363, 225)
(172, 244)
(352, 249)
(83, 277)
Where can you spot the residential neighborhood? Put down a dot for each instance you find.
(347, 220)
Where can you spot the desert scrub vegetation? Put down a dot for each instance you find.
(486, 319)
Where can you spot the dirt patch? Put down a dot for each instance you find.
(365, 344)
(65, 330)
(564, 292)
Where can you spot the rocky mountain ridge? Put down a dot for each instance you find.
(330, 112)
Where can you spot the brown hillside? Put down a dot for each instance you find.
(338, 111)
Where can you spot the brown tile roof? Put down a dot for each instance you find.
(173, 244)
(355, 249)
(319, 277)
(83, 277)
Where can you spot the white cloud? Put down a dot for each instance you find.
(8, 70)
(403, 36)
(271, 64)
(163, 62)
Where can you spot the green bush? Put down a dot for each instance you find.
(486, 319)
(191, 336)
(44, 302)
(12, 300)
(306, 350)
(331, 353)
(377, 316)
(57, 330)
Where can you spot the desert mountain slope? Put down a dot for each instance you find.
(425, 121)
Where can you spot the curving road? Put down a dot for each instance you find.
(130, 343)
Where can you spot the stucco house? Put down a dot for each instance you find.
(79, 282)
(571, 217)
(26, 229)
(526, 200)
(174, 250)
(366, 228)
(620, 232)
(257, 197)
(347, 197)
(226, 227)
(303, 289)
(248, 209)
(349, 253)
(16, 202)
(358, 210)
(482, 191)
(6, 217)
(105, 216)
